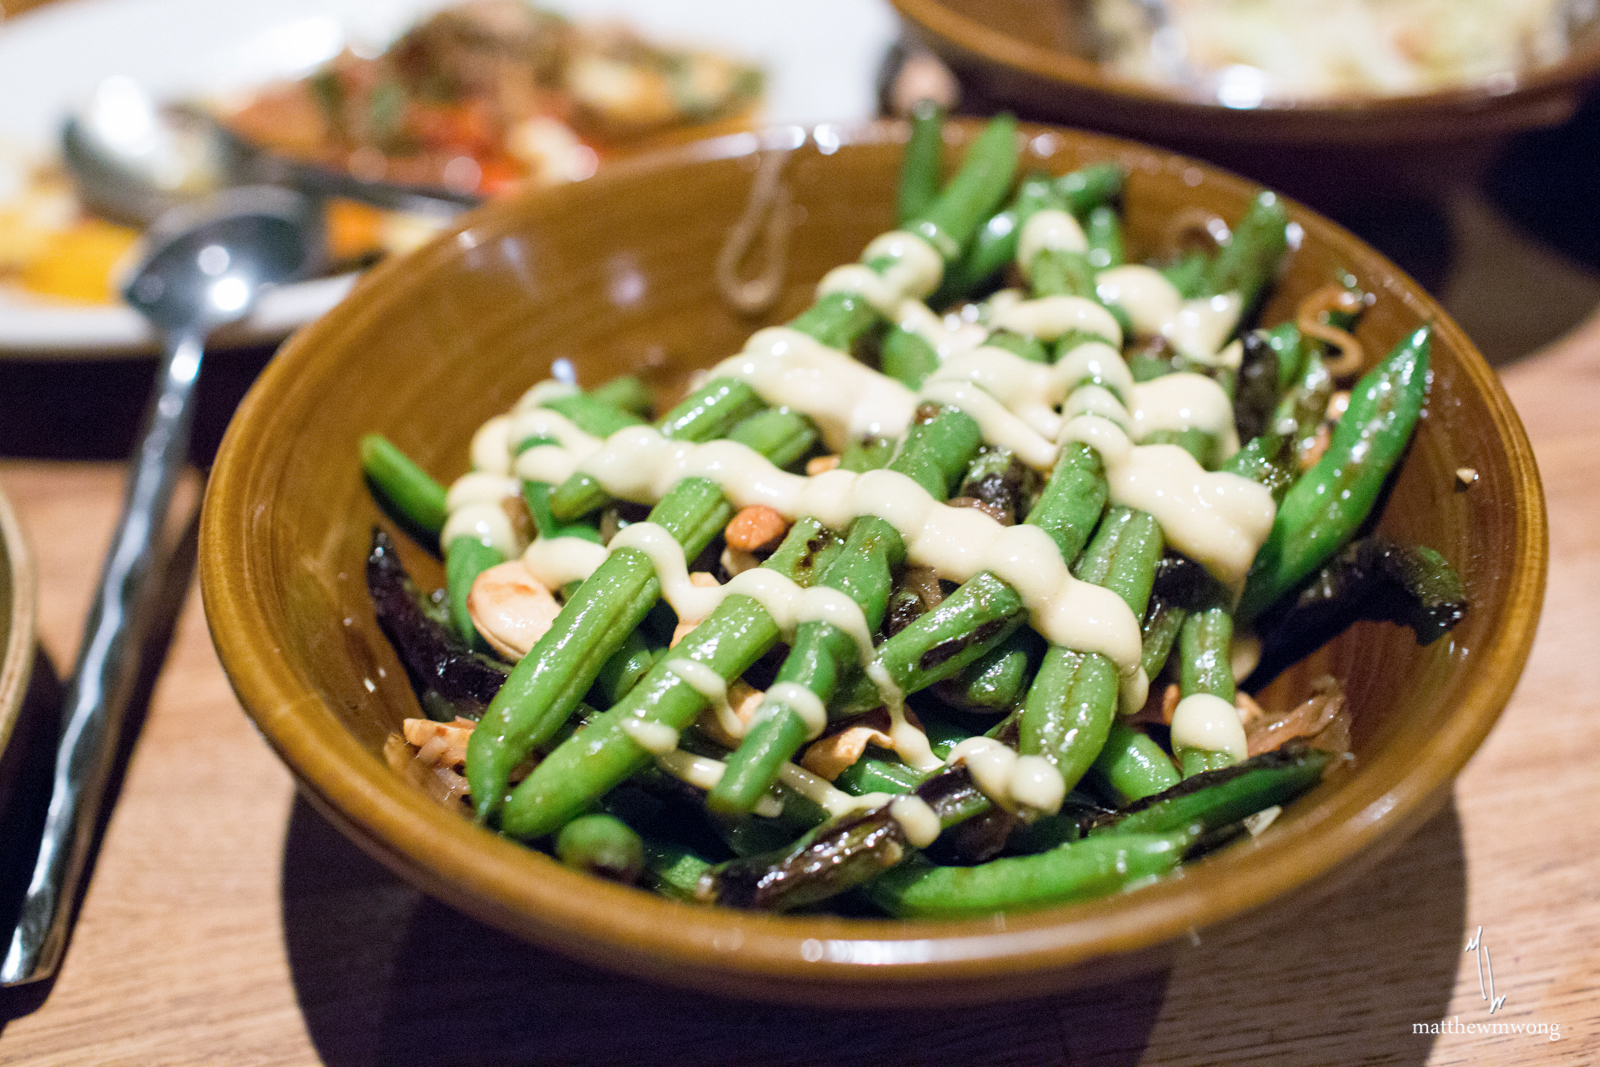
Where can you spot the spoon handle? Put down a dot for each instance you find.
(108, 662)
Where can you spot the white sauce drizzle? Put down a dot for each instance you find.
(702, 772)
(476, 508)
(915, 816)
(542, 393)
(847, 399)
(1010, 780)
(1244, 655)
(491, 447)
(1048, 317)
(711, 686)
(803, 701)
(1051, 229)
(1208, 722)
(915, 272)
(1218, 519)
(656, 738)
(555, 561)
(1184, 401)
(1196, 328)
(948, 336)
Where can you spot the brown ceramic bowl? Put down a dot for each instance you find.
(18, 610)
(614, 275)
(1032, 56)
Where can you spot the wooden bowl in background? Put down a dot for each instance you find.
(1033, 57)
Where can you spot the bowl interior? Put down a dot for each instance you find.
(614, 275)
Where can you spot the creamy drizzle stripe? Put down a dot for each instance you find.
(1219, 520)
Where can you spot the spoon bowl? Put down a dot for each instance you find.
(205, 263)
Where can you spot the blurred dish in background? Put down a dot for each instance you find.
(487, 96)
(1044, 59)
(1246, 51)
(484, 97)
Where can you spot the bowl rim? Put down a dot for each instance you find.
(1063, 68)
(809, 957)
(16, 658)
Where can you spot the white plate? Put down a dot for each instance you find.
(821, 59)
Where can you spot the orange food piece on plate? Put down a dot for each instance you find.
(80, 263)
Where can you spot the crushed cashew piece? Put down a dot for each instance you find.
(756, 528)
(439, 743)
(511, 608)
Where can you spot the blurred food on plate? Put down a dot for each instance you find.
(482, 97)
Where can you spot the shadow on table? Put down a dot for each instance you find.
(385, 974)
(92, 409)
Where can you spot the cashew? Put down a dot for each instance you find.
(756, 528)
(511, 608)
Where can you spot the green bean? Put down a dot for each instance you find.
(1217, 799)
(1056, 272)
(996, 242)
(536, 495)
(1124, 555)
(674, 871)
(603, 845)
(999, 678)
(1090, 187)
(919, 167)
(1073, 499)
(1323, 511)
(781, 435)
(1205, 667)
(728, 641)
(1027, 347)
(907, 357)
(626, 393)
(1133, 766)
(1104, 231)
(965, 625)
(837, 320)
(869, 454)
(708, 413)
(1205, 649)
(410, 494)
(591, 414)
(935, 452)
(1072, 703)
(1266, 460)
(1188, 274)
(1251, 257)
(1079, 870)
(465, 558)
(622, 671)
(974, 193)
(548, 682)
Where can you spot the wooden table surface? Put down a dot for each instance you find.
(227, 923)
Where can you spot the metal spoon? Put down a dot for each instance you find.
(204, 268)
(132, 158)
